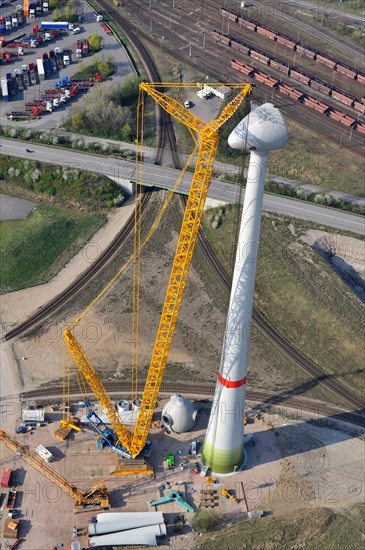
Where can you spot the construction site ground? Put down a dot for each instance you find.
(294, 465)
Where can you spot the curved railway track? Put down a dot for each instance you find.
(42, 313)
(166, 135)
(265, 398)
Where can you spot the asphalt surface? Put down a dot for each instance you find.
(159, 176)
(110, 48)
(12, 208)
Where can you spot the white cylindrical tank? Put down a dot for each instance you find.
(262, 130)
(179, 414)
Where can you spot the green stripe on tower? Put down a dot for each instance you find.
(223, 462)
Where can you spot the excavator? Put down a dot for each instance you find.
(206, 138)
(227, 494)
(97, 497)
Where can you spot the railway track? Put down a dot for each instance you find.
(41, 314)
(166, 135)
(264, 398)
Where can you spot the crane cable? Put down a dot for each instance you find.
(143, 244)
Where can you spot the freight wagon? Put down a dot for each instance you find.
(229, 15)
(260, 57)
(244, 48)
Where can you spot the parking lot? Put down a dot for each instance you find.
(111, 51)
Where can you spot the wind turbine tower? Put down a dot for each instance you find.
(263, 130)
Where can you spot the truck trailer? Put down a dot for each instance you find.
(40, 69)
(58, 25)
(4, 89)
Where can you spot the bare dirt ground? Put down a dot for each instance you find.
(305, 465)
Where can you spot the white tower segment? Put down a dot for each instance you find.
(261, 131)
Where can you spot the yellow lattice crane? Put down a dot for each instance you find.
(95, 496)
(206, 137)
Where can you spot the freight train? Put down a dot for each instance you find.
(294, 45)
(292, 72)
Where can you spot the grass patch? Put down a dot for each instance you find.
(60, 185)
(32, 250)
(300, 295)
(309, 529)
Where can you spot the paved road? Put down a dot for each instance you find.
(166, 177)
(12, 208)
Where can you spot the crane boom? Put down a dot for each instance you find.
(209, 139)
(98, 389)
(208, 144)
(38, 464)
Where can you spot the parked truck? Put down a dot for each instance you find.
(85, 48)
(79, 49)
(4, 89)
(40, 69)
(32, 10)
(58, 25)
(14, 20)
(10, 501)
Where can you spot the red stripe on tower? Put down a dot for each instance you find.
(231, 383)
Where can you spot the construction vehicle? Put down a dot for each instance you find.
(173, 496)
(227, 494)
(170, 460)
(269, 426)
(96, 497)
(118, 437)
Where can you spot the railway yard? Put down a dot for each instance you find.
(301, 453)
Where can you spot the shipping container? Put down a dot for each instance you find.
(266, 32)
(325, 61)
(5, 478)
(260, 57)
(42, 451)
(244, 48)
(351, 73)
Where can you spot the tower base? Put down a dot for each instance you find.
(223, 462)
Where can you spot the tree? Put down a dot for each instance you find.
(126, 131)
(105, 69)
(76, 121)
(95, 42)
